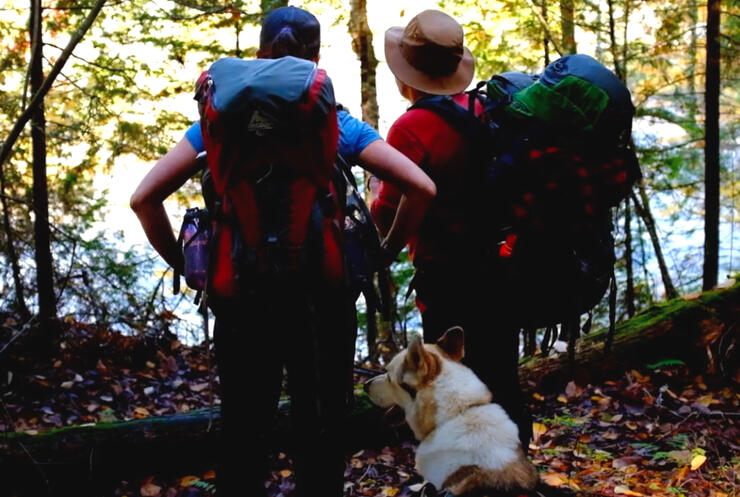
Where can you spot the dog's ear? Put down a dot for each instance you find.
(424, 365)
(453, 343)
(415, 356)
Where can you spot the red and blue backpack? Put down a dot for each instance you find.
(270, 133)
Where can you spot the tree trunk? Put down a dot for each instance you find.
(643, 210)
(711, 149)
(643, 262)
(545, 39)
(613, 40)
(20, 300)
(629, 292)
(362, 44)
(620, 71)
(42, 236)
(567, 26)
(692, 104)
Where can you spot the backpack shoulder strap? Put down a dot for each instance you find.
(447, 109)
(458, 117)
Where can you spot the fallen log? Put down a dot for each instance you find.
(92, 459)
(698, 330)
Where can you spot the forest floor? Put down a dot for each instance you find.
(655, 430)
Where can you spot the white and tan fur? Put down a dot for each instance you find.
(466, 441)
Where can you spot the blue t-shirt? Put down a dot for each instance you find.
(354, 136)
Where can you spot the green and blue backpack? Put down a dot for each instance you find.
(553, 156)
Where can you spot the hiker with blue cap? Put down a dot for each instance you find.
(250, 357)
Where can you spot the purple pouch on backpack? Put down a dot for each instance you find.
(194, 237)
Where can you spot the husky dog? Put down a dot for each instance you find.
(467, 443)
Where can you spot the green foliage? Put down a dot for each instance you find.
(111, 104)
(108, 105)
(403, 272)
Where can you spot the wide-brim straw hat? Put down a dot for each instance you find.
(429, 55)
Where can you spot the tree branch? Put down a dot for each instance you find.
(543, 23)
(77, 36)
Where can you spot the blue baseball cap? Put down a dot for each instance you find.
(291, 31)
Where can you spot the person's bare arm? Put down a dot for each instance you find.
(418, 190)
(168, 174)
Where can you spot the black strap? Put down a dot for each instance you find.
(458, 117)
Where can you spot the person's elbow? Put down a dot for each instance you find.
(136, 202)
(140, 201)
(427, 189)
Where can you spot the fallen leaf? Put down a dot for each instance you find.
(537, 396)
(555, 479)
(150, 490)
(187, 481)
(538, 429)
(626, 461)
(697, 461)
(141, 412)
(573, 390)
(707, 400)
(639, 377)
(198, 387)
(682, 457)
(681, 474)
(624, 490)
